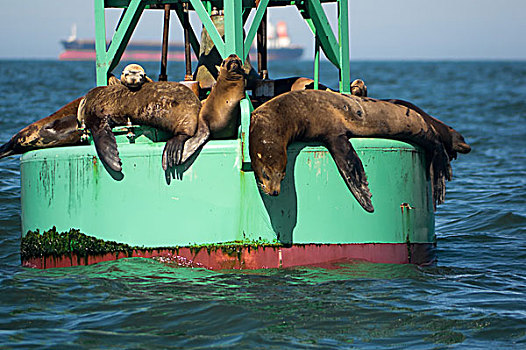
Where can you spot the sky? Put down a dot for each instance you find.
(380, 29)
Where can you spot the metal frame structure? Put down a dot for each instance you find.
(236, 12)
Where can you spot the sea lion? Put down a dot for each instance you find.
(219, 116)
(332, 119)
(453, 141)
(57, 129)
(358, 88)
(133, 76)
(208, 64)
(168, 106)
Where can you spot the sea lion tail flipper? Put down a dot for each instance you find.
(351, 169)
(440, 171)
(6, 149)
(106, 146)
(173, 151)
(195, 142)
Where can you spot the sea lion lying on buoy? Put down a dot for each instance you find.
(453, 141)
(219, 115)
(284, 85)
(133, 77)
(332, 119)
(168, 106)
(57, 129)
(61, 127)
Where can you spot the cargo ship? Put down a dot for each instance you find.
(279, 47)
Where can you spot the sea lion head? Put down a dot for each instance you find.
(458, 143)
(269, 162)
(232, 68)
(269, 179)
(133, 76)
(358, 88)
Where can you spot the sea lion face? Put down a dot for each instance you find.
(233, 67)
(133, 76)
(269, 180)
(358, 88)
(269, 164)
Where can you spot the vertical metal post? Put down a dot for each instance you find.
(100, 44)
(343, 33)
(164, 53)
(233, 27)
(316, 62)
(187, 53)
(262, 47)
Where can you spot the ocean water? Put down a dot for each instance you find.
(474, 298)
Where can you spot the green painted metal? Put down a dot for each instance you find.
(316, 63)
(246, 109)
(233, 28)
(100, 43)
(109, 59)
(343, 39)
(212, 200)
(323, 31)
(255, 25)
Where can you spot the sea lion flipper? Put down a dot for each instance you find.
(195, 142)
(173, 151)
(351, 169)
(6, 149)
(106, 147)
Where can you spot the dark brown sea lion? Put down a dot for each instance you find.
(168, 106)
(219, 116)
(208, 68)
(332, 119)
(453, 141)
(57, 129)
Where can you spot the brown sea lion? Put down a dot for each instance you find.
(453, 141)
(168, 106)
(358, 88)
(209, 60)
(57, 129)
(332, 119)
(133, 76)
(219, 116)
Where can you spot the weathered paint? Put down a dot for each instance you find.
(211, 200)
(53, 249)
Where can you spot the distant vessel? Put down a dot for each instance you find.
(278, 48)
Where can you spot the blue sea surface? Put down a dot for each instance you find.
(474, 298)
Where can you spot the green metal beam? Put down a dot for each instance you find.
(314, 11)
(343, 33)
(108, 60)
(246, 109)
(255, 25)
(209, 26)
(193, 38)
(233, 28)
(100, 43)
(124, 32)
